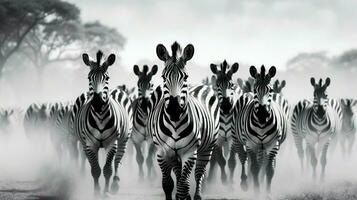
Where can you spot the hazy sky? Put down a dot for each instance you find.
(249, 31)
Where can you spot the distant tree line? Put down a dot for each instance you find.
(49, 31)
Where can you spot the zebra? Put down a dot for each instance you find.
(246, 86)
(278, 86)
(226, 92)
(36, 121)
(62, 135)
(184, 123)
(5, 120)
(141, 112)
(316, 122)
(348, 126)
(130, 92)
(260, 126)
(102, 120)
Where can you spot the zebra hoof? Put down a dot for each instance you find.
(115, 185)
(244, 186)
(224, 180)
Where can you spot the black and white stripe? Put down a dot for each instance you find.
(227, 93)
(260, 128)
(102, 120)
(184, 124)
(141, 111)
(348, 128)
(316, 123)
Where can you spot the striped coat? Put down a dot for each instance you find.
(102, 119)
(183, 123)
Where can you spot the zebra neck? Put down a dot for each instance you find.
(99, 103)
(175, 113)
(319, 119)
(261, 115)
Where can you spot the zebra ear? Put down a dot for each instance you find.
(161, 52)
(188, 52)
(136, 70)
(312, 81)
(253, 71)
(153, 70)
(240, 83)
(110, 60)
(327, 82)
(213, 81)
(276, 86)
(85, 58)
(234, 68)
(213, 68)
(272, 72)
(283, 83)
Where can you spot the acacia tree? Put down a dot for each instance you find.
(53, 43)
(99, 36)
(19, 18)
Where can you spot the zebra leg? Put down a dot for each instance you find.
(92, 155)
(323, 161)
(202, 161)
(108, 170)
(121, 147)
(270, 168)
(139, 159)
(242, 154)
(232, 162)
(83, 159)
(222, 164)
(300, 150)
(212, 167)
(73, 151)
(254, 168)
(150, 161)
(313, 159)
(183, 185)
(167, 181)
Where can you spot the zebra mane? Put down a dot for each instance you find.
(99, 57)
(176, 50)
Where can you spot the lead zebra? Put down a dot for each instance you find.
(227, 94)
(260, 126)
(183, 124)
(102, 120)
(316, 122)
(141, 112)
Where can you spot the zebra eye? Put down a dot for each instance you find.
(186, 76)
(271, 90)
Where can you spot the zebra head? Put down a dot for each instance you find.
(145, 86)
(174, 74)
(262, 90)
(348, 114)
(223, 84)
(5, 116)
(246, 86)
(320, 96)
(98, 75)
(278, 86)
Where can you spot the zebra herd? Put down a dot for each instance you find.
(186, 127)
